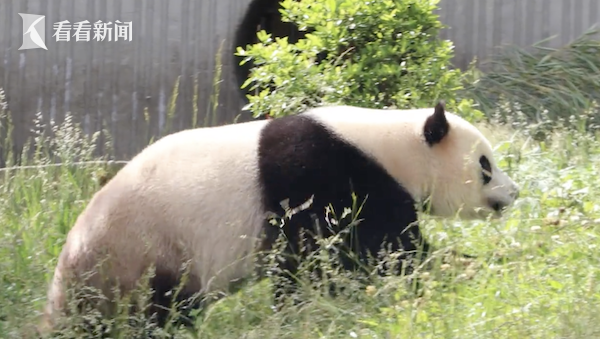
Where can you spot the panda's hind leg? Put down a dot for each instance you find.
(170, 296)
(82, 287)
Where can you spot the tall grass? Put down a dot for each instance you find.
(536, 274)
(542, 82)
(58, 172)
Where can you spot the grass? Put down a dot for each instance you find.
(536, 276)
(559, 81)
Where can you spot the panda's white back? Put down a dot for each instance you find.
(193, 190)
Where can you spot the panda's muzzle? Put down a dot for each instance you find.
(499, 205)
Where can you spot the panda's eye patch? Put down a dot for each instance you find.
(486, 169)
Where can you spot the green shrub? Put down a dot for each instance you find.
(378, 54)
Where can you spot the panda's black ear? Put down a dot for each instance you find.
(436, 126)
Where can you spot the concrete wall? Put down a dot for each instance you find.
(119, 83)
(477, 26)
(113, 82)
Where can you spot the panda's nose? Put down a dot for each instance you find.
(498, 205)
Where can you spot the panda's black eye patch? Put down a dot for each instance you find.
(486, 169)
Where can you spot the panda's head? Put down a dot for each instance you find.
(464, 179)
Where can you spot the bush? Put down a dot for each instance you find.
(377, 54)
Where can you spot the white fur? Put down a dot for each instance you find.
(194, 194)
(193, 191)
(448, 173)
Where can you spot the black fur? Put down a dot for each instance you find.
(436, 126)
(299, 157)
(164, 284)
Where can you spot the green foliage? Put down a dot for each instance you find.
(545, 84)
(465, 108)
(379, 54)
(536, 275)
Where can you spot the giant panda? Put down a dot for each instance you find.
(203, 195)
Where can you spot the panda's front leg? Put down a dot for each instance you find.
(284, 282)
(398, 250)
(415, 249)
(284, 248)
(296, 258)
(288, 275)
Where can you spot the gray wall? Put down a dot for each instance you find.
(114, 82)
(477, 26)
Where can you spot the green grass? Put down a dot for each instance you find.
(537, 275)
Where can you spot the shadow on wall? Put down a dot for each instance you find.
(260, 14)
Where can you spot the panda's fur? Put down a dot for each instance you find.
(202, 194)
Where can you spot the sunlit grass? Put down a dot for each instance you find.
(536, 275)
